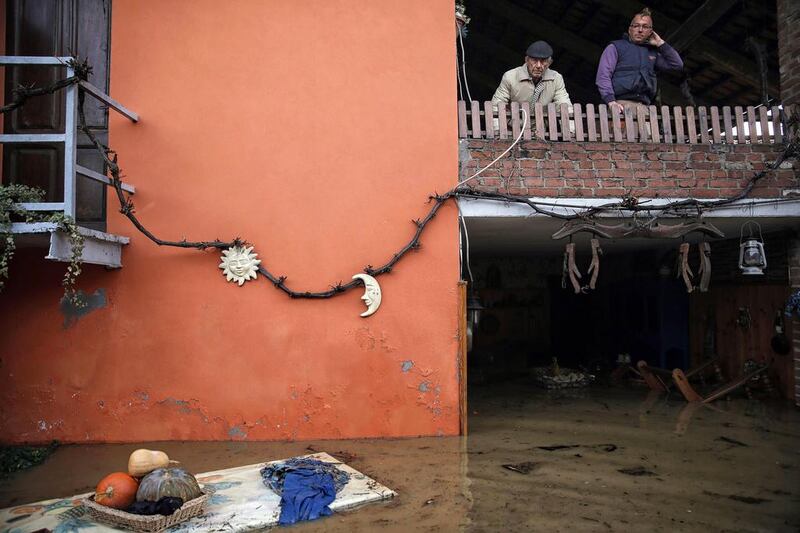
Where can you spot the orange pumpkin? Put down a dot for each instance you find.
(117, 490)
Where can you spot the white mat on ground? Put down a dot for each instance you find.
(240, 502)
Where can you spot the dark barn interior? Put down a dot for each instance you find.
(583, 443)
(531, 317)
(729, 48)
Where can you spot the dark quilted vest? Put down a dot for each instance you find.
(635, 75)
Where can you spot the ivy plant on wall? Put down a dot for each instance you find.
(11, 196)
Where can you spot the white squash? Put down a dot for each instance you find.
(142, 462)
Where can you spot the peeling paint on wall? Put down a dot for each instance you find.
(385, 346)
(43, 425)
(237, 432)
(142, 396)
(430, 398)
(92, 302)
(186, 407)
(365, 339)
(405, 366)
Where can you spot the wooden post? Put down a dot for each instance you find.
(738, 112)
(630, 124)
(476, 120)
(591, 126)
(552, 122)
(502, 118)
(764, 122)
(515, 119)
(691, 125)
(751, 125)
(777, 134)
(603, 112)
(715, 128)
(538, 111)
(666, 122)
(565, 133)
(727, 120)
(655, 135)
(488, 112)
(617, 124)
(578, 117)
(679, 138)
(526, 133)
(462, 119)
(702, 115)
(641, 120)
(463, 413)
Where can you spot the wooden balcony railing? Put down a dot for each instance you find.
(645, 124)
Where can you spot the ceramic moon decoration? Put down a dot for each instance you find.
(372, 293)
(239, 264)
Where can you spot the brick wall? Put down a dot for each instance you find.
(789, 60)
(788, 48)
(794, 327)
(536, 168)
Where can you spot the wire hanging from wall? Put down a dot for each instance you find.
(461, 29)
(630, 203)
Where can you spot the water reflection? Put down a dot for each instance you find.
(673, 466)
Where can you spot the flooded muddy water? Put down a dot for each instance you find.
(589, 460)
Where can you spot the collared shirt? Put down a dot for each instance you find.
(518, 86)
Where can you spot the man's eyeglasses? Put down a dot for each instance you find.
(642, 26)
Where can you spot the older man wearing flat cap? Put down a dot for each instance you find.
(534, 82)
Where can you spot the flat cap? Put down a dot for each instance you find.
(540, 49)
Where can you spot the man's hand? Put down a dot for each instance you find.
(616, 105)
(655, 40)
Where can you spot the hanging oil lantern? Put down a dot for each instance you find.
(752, 259)
(474, 308)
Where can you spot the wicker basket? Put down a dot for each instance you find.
(135, 522)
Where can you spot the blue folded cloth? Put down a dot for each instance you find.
(307, 486)
(306, 495)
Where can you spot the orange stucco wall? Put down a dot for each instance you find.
(313, 129)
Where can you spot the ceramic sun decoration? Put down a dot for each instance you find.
(372, 293)
(239, 264)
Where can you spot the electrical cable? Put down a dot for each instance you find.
(519, 137)
(464, 63)
(630, 204)
(621, 209)
(458, 79)
(466, 241)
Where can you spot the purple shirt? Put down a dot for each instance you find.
(667, 58)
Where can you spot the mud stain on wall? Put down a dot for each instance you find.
(88, 303)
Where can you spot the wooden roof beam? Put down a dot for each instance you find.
(701, 20)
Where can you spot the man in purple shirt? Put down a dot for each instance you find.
(626, 74)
